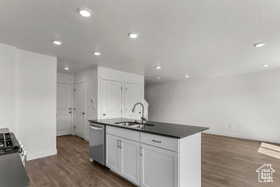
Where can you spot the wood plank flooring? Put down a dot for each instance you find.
(226, 162)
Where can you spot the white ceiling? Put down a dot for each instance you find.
(203, 38)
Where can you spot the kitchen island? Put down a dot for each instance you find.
(153, 154)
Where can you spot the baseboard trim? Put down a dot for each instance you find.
(63, 133)
(42, 154)
(241, 138)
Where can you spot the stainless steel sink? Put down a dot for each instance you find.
(133, 124)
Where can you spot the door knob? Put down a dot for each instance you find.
(83, 113)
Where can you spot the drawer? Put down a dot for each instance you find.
(124, 133)
(160, 141)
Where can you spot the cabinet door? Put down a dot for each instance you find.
(134, 92)
(110, 99)
(130, 160)
(113, 153)
(158, 167)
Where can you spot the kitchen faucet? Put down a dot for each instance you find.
(143, 108)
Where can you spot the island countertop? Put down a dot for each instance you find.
(153, 127)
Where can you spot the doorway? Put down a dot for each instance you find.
(80, 109)
(64, 109)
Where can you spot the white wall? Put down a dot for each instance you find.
(7, 62)
(28, 81)
(65, 78)
(36, 103)
(245, 106)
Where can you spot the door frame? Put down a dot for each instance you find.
(72, 117)
(85, 109)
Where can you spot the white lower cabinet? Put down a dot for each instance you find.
(123, 158)
(130, 161)
(158, 167)
(154, 161)
(113, 153)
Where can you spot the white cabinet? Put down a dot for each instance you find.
(111, 98)
(149, 160)
(133, 93)
(123, 158)
(130, 160)
(113, 153)
(158, 167)
(118, 92)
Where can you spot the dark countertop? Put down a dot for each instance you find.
(12, 172)
(159, 128)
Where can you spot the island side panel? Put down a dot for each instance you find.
(190, 161)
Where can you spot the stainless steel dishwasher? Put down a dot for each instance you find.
(97, 143)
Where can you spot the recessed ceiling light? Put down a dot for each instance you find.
(158, 67)
(133, 35)
(57, 42)
(259, 44)
(66, 68)
(266, 65)
(187, 76)
(96, 53)
(85, 12)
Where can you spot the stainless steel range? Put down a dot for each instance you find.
(8, 144)
(12, 161)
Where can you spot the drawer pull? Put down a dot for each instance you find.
(156, 141)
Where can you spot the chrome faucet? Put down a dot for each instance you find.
(143, 109)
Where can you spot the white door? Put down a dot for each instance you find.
(110, 99)
(133, 94)
(113, 153)
(130, 161)
(64, 109)
(158, 167)
(80, 124)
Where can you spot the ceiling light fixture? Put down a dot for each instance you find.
(158, 67)
(266, 65)
(133, 35)
(85, 12)
(96, 53)
(57, 42)
(187, 76)
(259, 44)
(66, 68)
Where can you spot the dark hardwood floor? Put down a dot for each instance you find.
(227, 162)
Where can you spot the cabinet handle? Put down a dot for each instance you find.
(156, 141)
(104, 114)
(119, 144)
(141, 151)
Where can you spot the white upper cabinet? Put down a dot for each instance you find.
(133, 93)
(111, 98)
(118, 92)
